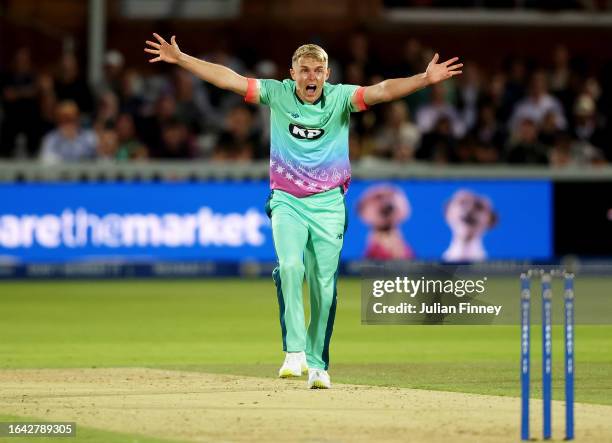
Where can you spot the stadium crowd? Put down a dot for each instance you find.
(556, 5)
(554, 112)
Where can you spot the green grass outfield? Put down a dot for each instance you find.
(231, 326)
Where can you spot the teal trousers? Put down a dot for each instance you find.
(308, 236)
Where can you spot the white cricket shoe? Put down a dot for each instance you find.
(294, 365)
(318, 379)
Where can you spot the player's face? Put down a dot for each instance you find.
(309, 75)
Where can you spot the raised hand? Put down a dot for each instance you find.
(165, 52)
(437, 72)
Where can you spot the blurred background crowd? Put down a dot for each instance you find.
(598, 5)
(554, 110)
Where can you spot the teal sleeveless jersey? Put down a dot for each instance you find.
(309, 143)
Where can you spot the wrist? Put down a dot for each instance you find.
(426, 79)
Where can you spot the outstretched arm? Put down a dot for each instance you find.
(218, 75)
(392, 89)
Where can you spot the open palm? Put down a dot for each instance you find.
(437, 72)
(165, 52)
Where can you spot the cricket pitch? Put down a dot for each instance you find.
(200, 407)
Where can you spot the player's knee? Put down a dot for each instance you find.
(291, 266)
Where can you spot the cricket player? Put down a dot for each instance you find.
(309, 175)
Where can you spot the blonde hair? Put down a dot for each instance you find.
(311, 51)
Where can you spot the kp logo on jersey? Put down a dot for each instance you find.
(305, 133)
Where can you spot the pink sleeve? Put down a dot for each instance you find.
(359, 100)
(251, 94)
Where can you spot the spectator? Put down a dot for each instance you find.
(514, 86)
(361, 123)
(113, 72)
(494, 92)
(488, 131)
(264, 69)
(560, 73)
(548, 131)
(410, 61)
(363, 130)
(481, 112)
(355, 148)
(130, 93)
(21, 111)
(568, 152)
(107, 110)
(240, 141)
(129, 147)
(439, 145)
(484, 153)
(537, 104)
(592, 88)
(150, 127)
(69, 142)
(370, 120)
(588, 128)
(108, 144)
(428, 115)
(525, 147)
(186, 108)
(69, 85)
(469, 94)
(399, 137)
(354, 74)
(565, 82)
(218, 102)
(175, 142)
(466, 150)
(360, 54)
(47, 103)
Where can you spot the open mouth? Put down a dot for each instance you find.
(470, 219)
(311, 88)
